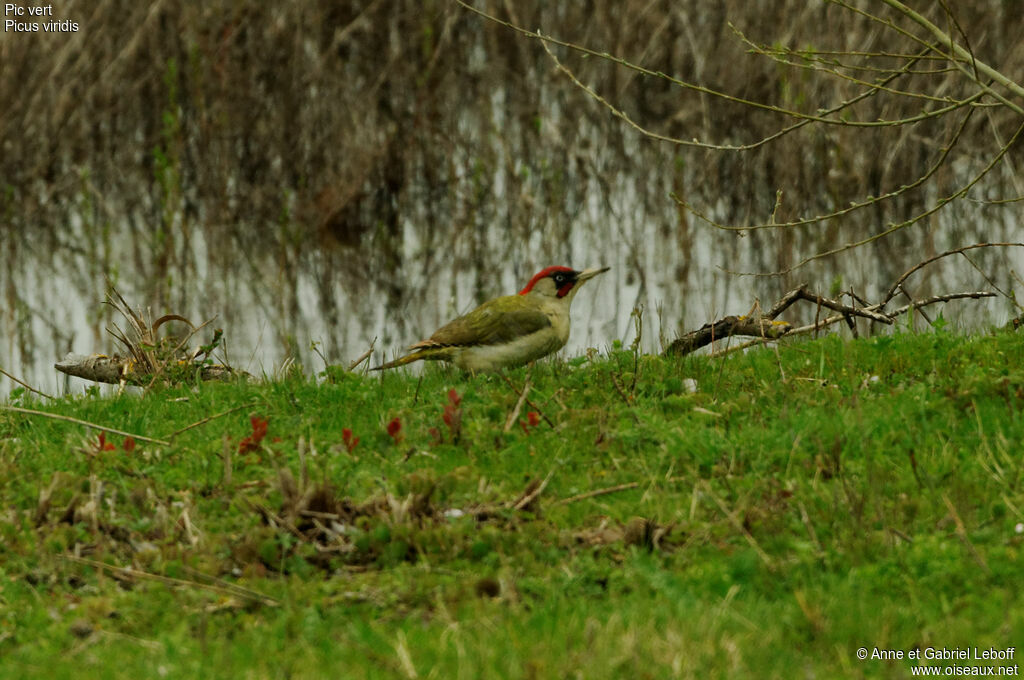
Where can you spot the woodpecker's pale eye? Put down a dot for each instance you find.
(559, 279)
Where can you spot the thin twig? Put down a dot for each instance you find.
(961, 532)
(532, 405)
(817, 62)
(739, 525)
(963, 54)
(810, 528)
(529, 498)
(510, 421)
(86, 423)
(915, 306)
(416, 396)
(942, 298)
(271, 516)
(984, 86)
(209, 418)
(618, 388)
(901, 535)
(947, 148)
(835, 305)
(597, 492)
(891, 293)
(315, 346)
(894, 227)
(362, 357)
(27, 386)
(803, 118)
(988, 279)
(226, 455)
(237, 591)
(228, 585)
(547, 40)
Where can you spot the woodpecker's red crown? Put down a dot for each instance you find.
(563, 277)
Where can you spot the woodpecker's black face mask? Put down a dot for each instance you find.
(564, 281)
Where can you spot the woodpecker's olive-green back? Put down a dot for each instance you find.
(495, 322)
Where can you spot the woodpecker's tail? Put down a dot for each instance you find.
(429, 354)
(400, 361)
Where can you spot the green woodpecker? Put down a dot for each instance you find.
(508, 331)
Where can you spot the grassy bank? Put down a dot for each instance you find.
(799, 505)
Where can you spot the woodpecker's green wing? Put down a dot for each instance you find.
(495, 322)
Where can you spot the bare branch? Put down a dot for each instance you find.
(962, 53)
(977, 295)
(764, 328)
(846, 310)
(854, 206)
(785, 301)
(113, 369)
(806, 117)
(892, 290)
(938, 46)
(810, 61)
(727, 327)
(958, 57)
(938, 205)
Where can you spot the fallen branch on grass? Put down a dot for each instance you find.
(828, 321)
(148, 357)
(765, 327)
(117, 369)
(727, 327)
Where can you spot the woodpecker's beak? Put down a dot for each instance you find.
(587, 274)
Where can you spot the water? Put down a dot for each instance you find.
(279, 305)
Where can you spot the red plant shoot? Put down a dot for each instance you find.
(103, 444)
(129, 444)
(349, 441)
(395, 430)
(259, 431)
(532, 420)
(452, 415)
(449, 416)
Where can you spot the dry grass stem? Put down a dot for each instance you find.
(69, 419)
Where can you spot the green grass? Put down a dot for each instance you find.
(799, 505)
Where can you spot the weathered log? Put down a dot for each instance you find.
(724, 328)
(115, 369)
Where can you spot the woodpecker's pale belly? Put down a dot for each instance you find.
(516, 353)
